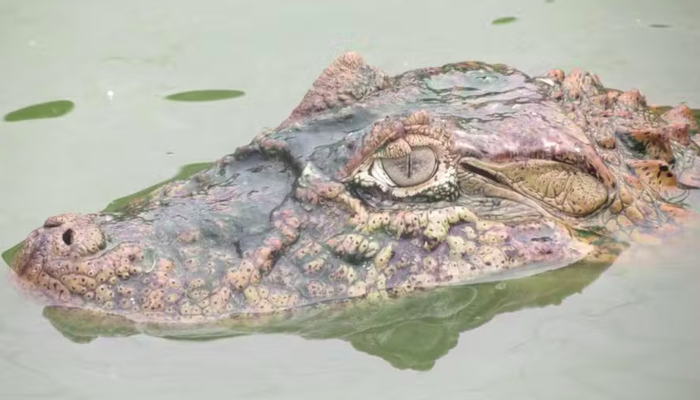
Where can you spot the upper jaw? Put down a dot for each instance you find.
(583, 158)
(65, 236)
(67, 254)
(559, 190)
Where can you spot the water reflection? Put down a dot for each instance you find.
(410, 333)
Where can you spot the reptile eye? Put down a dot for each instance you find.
(412, 169)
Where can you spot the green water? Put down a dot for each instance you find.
(626, 332)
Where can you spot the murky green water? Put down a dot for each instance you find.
(631, 332)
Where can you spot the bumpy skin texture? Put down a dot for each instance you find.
(378, 186)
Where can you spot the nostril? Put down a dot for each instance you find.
(68, 237)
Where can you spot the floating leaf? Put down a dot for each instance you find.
(9, 255)
(659, 26)
(51, 109)
(134, 200)
(503, 20)
(206, 95)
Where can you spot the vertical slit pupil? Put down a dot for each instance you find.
(409, 164)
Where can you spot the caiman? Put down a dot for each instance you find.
(378, 186)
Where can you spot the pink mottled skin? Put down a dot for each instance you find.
(378, 186)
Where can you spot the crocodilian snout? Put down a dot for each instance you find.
(171, 251)
(66, 256)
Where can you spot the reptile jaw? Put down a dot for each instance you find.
(551, 187)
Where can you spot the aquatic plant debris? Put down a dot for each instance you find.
(123, 203)
(51, 109)
(659, 26)
(503, 20)
(206, 95)
(9, 254)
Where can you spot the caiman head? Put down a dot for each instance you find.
(377, 186)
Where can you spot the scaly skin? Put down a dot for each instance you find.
(377, 186)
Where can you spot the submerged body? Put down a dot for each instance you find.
(378, 186)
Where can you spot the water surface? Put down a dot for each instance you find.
(631, 333)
